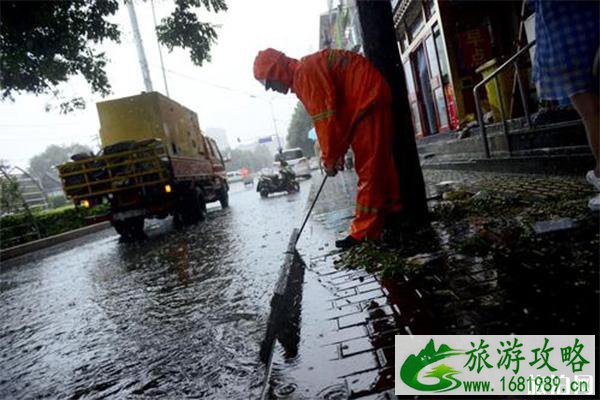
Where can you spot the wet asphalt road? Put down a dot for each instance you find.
(181, 314)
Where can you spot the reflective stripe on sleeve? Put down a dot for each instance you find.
(361, 209)
(323, 115)
(330, 59)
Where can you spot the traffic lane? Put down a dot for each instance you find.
(181, 313)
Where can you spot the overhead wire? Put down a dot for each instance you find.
(223, 87)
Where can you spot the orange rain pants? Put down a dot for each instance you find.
(350, 104)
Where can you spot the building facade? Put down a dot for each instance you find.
(445, 46)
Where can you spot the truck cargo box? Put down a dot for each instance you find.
(151, 116)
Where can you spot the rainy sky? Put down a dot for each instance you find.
(222, 92)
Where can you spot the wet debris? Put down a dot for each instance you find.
(386, 260)
(486, 225)
(457, 195)
(426, 259)
(447, 186)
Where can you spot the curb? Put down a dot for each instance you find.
(39, 244)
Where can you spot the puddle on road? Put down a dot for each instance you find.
(181, 314)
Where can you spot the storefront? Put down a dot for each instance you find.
(442, 43)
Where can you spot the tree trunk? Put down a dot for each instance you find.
(381, 47)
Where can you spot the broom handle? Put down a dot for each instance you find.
(311, 208)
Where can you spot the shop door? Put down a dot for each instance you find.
(424, 87)
(437, 88)
(412, 99)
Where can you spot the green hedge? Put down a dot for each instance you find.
(18, 229)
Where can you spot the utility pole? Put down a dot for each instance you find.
(139, 46)
(162, 64)
(381, 48)
(280, 149)
(270, 101)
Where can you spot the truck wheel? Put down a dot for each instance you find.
(131, 229)
(193, 208)
(202, 212)
(224, 197)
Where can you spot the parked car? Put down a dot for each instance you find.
(248, 180)
(234, 176)
(296, 160)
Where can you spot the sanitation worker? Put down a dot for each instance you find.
(351, 106)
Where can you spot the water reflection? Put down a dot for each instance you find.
(180, 314)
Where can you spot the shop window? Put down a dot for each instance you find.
(433, 61)
(410, 83)
(441, 106)
(441, 53)
(412, 98)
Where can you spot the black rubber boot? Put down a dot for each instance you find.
(346, 242)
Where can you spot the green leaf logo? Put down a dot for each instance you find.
(409, 372)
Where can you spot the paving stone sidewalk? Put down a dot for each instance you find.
(350, 316)
(541, 186)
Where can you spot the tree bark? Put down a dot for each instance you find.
(381, 47)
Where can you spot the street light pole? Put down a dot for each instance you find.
(270, 101)
(162, 64)
(139, 46)
(280, 149)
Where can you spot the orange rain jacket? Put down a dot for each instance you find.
(350, 104)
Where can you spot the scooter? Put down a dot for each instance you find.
(284, 182)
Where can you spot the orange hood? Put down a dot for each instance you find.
(274, 65)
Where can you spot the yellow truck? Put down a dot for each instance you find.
(154, 162)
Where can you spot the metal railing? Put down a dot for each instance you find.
(110, 173)
(30, 225)
(494, 75)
